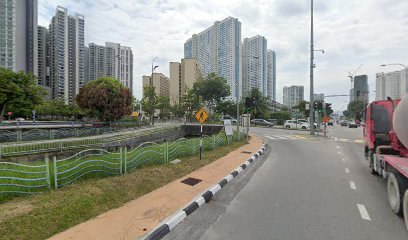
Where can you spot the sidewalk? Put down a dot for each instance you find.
(140, 216)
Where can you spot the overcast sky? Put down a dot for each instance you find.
(352, 32)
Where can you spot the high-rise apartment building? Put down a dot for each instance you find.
(66, 54)
(182, 77)
(271, 71)
(18, 35)
(160, 83)
(217, 49)
(391, 84)
(293, 95)
(254, 65)
(43, 70)
(111, 60)
(360, 89)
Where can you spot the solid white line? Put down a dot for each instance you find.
(346, 170)
(352, 185)
(363, 212)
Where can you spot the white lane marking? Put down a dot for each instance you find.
(270, 137)
(343, 160)
(336, 139)
(338, 147)
(338, 152)
(363, 212)
(346, 170)
(352, 185)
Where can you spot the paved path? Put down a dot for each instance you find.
(140, 216)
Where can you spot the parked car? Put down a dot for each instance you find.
(296, 124)
(233, 120)
(261, 122)
(330, 124)
(352, 124)
(305, 121)
(344, 124)
(20, 119)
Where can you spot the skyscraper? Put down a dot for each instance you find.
(111, 60)
(182, 77)
(18, 35)
(360, 89)
(67, 54)
(293, 95)
(43, 76)
(271, 66)
(391, 84)
(217, 49)
(254, 65)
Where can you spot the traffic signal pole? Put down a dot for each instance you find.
(311, 115)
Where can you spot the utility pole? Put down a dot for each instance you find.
(311, 115)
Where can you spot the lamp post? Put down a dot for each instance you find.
(151, 84)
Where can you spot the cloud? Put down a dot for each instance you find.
(351, 33)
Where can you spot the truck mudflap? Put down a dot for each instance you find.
(399, 163)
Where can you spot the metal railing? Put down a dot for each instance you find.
(29, 179)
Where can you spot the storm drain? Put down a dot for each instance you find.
(246, 152)
(191, 181)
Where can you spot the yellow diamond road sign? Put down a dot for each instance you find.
(201, 115)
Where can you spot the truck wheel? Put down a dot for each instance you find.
(394, 194)
(405, 206)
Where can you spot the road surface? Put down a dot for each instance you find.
(304, 188)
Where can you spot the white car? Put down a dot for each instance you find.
(296, 124)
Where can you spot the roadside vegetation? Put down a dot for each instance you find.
(41, 216)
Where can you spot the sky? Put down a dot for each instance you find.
(352, 32)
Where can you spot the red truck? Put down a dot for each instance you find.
(386, 148)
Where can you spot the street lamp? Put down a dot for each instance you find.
(153, 68)
(237, 90)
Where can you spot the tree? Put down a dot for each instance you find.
(191, 102)
(149, 101)
(178, 110)
(281, 116)
(261, 104)
(19, 92)
(346, 113)
(105, 98)
(163, 104)
(57, 109)
(227, 107)
(212, 89)
(302, 108)
(355, 107)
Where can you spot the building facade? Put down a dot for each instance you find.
(391, 84)
(271, 72)
(66, 54)
(360, 88)
(160, 83)
(254, 65)
(182, 77)
(293, 95)
(126, 67)
(217, 49)
(18, 35)
(43, 70)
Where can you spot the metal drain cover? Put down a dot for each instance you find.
(246, 152)
(191, 181)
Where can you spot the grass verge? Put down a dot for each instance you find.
(41, 216)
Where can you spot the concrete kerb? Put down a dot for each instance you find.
(168, 224)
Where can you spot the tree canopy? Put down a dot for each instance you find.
(19, 92)
(57, 109)
(261, 107)
(211, 89)
(354, 108)
(105, 98)
(149, 101)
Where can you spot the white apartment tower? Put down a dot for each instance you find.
(271, 70)
(126, 67)
(254, 65)
(18, 35)
(391, 84)
(293, 95)
(217, 49)
(66, 54)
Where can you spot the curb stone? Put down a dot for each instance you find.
(169, 224)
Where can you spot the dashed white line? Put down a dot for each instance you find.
(363, 212)
(338, 152)
(338, 147)
(343, 160)
(352, 185)
(346, 170)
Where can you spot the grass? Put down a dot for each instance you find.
(43, 215)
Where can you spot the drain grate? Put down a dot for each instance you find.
(246, 152)
(191, 181)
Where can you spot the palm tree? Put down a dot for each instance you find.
(261, 104)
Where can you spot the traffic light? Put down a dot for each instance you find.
(315, 105)
(328, 106)
(320, 106)
(249, 102)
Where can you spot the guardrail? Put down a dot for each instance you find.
(15, 149)
(35, 178)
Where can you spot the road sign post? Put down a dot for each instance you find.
(201, 116)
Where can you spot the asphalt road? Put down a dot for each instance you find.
(303, 188)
